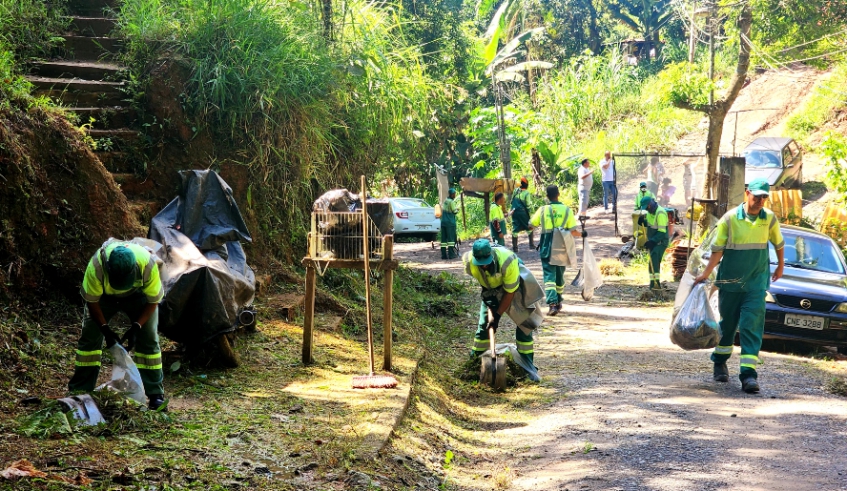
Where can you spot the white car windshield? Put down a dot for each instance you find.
(809, 252)
(762, 159)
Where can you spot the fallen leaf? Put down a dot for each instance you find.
(21, 468)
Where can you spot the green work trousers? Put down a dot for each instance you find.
(744, 312)
(448, 239)
(520, 221)
(554, 281)
(656, 255)
(147, 357)
(523, 338)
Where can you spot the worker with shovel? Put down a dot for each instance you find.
(658, 232)
(499, 272)
(121, 277)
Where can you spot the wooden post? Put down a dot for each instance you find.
(387, 302)
(487, 206)
(367, 273)
(309, 316)
(464, 218)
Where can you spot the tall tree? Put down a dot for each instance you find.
(718, 110)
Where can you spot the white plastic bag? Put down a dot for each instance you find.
(125, 376)
(695, 326)
(589, 276)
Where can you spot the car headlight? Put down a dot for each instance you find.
(769, 298)
(842, 308)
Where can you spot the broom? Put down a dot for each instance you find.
(370, 381)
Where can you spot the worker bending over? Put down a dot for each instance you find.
(121, 277)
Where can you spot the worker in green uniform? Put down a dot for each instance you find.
(658, 232)
(497, 220)
(549, 217)
(121, 277)
(744, 276)
(497, 270)
(520, 214)
(642, 193)
(449, 210)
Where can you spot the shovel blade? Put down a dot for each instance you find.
(492, 371)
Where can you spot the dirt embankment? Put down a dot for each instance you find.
(55, 202)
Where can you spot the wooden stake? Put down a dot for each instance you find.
(387, 302)
(367, 261)
(309, 316)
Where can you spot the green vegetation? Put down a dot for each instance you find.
(823, 105)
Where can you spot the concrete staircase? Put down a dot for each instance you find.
(86, 78)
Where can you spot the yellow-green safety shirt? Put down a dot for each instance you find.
(95, 283)
(657, 225)
(496, 219)
(507, 273)
(448, 212)
(641, 195)
(745, 266)
(550, 217)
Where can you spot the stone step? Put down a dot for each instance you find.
(79, 93)
(118, 162)
(84, 48)
(144, 210)
(87, 70)
(133, 186)
(124, 134)
(92, 8)
(105, 117)
(92, 26)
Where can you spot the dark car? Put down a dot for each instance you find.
(809, 303)
(777, 160)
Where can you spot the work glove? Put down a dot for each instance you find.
(494, 323)
(649, 245)
(109, 335)
(584, 234)
(131, 336)
(641, 221)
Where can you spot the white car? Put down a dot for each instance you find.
(414, 217)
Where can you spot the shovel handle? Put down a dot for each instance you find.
(491, 334)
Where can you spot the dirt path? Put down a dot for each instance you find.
(627, 410)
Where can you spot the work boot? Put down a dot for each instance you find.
(444, 253)
(553, 309)
(515, 242)
(721, 372)
(750, 385)
(156, 402)
(531, 240)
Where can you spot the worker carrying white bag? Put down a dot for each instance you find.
(694, 326)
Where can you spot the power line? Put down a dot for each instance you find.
(813, 41)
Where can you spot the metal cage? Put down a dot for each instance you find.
(338, 235)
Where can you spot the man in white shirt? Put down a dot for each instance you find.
(610, 189)
(585, 180)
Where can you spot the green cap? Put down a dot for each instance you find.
(642, 184)
(645, 201)
(482, 252)
(451, 191)
(122, 267)
(759, 187)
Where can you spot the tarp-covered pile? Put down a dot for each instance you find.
(205, 274)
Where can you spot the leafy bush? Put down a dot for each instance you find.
(30, 27)
(304, 113)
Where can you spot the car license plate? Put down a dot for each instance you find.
(805, 321)
(422, 226)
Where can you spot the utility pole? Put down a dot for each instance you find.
(505, 151)
(692, 38)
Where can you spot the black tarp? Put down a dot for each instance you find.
(205, 274)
